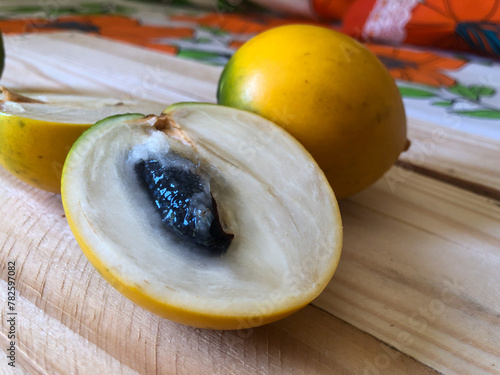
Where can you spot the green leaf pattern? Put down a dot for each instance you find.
(412, 92)
(459, 93)
(472, 92)
(481, 113)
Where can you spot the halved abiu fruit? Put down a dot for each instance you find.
(206, 215)
(38, 129)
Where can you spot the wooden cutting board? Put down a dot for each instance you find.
(417, 290)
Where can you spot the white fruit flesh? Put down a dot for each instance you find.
(269, 191)
(71, 109)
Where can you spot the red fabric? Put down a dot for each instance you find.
(355, 18)
(460, 25)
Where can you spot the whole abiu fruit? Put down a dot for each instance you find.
(328, 91)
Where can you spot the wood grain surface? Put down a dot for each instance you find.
(417, 290)
(71, 321)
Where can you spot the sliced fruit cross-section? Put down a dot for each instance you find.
(274, 205)
(37, 131)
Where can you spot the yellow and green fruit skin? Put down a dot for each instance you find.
(34, 151)
(329, 92)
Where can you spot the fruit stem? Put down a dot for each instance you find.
(165, 124)
(11, 96)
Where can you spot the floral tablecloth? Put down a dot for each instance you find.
(453, 85)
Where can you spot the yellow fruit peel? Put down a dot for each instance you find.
(34, 151)
(37, 130)
(329, 92)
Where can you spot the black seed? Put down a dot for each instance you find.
(185, 204)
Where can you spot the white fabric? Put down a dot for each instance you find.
(388, 19)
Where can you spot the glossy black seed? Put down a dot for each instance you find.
(185, 204)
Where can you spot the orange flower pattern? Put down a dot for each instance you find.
(213, 36)
(415, 66)
(458, 25)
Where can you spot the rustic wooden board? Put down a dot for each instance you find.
(452, 155)
(417, 287)
(420, 271)
(71, 321)
(72, 62)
